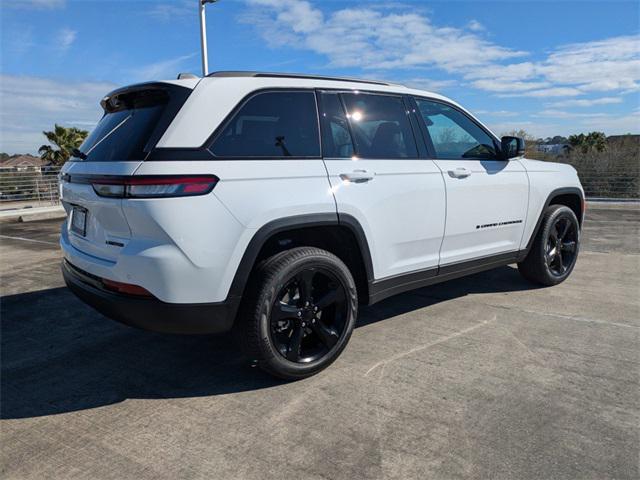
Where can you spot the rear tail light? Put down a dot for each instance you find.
(156, 186)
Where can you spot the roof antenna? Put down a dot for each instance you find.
(203, 35)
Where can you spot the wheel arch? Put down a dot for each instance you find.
(571, 197)
(343, 236)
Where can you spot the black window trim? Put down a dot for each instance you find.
(417, 137)
(177, 97)
(427, 137)
(230, 117)
(421, 143)
(319, 106)
(421, 136)
(204, 153)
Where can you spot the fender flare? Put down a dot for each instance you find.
(294, 222)
(550, 197)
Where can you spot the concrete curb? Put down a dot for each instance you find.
(612, 200)
(32, 214)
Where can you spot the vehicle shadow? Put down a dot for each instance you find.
(58, 355)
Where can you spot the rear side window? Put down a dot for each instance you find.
(453, 134)
(272, 124)
(132, 123)
(336, 139)
(380, 126)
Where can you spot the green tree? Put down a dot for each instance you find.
(591, 141)
(65, 139)
(557, 140)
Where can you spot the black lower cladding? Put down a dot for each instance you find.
(387, 287)
(149, 313)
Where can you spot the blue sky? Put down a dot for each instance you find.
(547, 67)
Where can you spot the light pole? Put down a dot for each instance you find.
(203, 35)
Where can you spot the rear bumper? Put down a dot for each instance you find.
(151, 313)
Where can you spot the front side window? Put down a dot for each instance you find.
(336, 138)
(380, 126)
(272, 124)
(454, 135)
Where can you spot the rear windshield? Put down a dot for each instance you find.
(131, 125)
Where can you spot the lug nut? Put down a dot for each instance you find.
(299, 314)
(304, 324)
(315, 309)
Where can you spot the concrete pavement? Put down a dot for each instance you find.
(482, 377)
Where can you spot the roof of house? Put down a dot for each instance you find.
(23, 161)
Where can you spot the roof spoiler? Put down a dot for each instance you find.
(141, 94)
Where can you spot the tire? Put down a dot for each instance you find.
(554, 250)
(281, 333)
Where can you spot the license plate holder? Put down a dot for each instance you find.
(79, 220)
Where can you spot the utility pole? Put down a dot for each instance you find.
(203, 35)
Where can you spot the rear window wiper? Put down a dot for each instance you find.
(107, 135)
(78, 154)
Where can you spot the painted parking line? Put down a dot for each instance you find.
(29, 240)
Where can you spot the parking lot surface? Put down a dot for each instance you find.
(482, 377)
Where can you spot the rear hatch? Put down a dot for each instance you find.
(134, 120)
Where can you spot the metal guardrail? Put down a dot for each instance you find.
(613, 173)
(619, 183)
(29, 187)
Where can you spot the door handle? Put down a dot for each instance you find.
(357, 176)
(460, 172)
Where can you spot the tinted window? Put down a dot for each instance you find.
(380, 126)
(123, 133)
(272, 124)
(453, 134)
(336, 139)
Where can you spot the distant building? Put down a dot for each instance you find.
(19, 163)
(554, 149)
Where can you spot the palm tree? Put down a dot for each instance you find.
(591, 141)
(597, 141)
(66, 139)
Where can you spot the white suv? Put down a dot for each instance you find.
(274, 204)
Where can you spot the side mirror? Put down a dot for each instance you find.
(512, 147)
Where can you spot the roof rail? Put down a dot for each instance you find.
(292, 75)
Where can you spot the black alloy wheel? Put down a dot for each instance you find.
(554, 250)
(562, 245)
(298, 313)
(309, 315)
